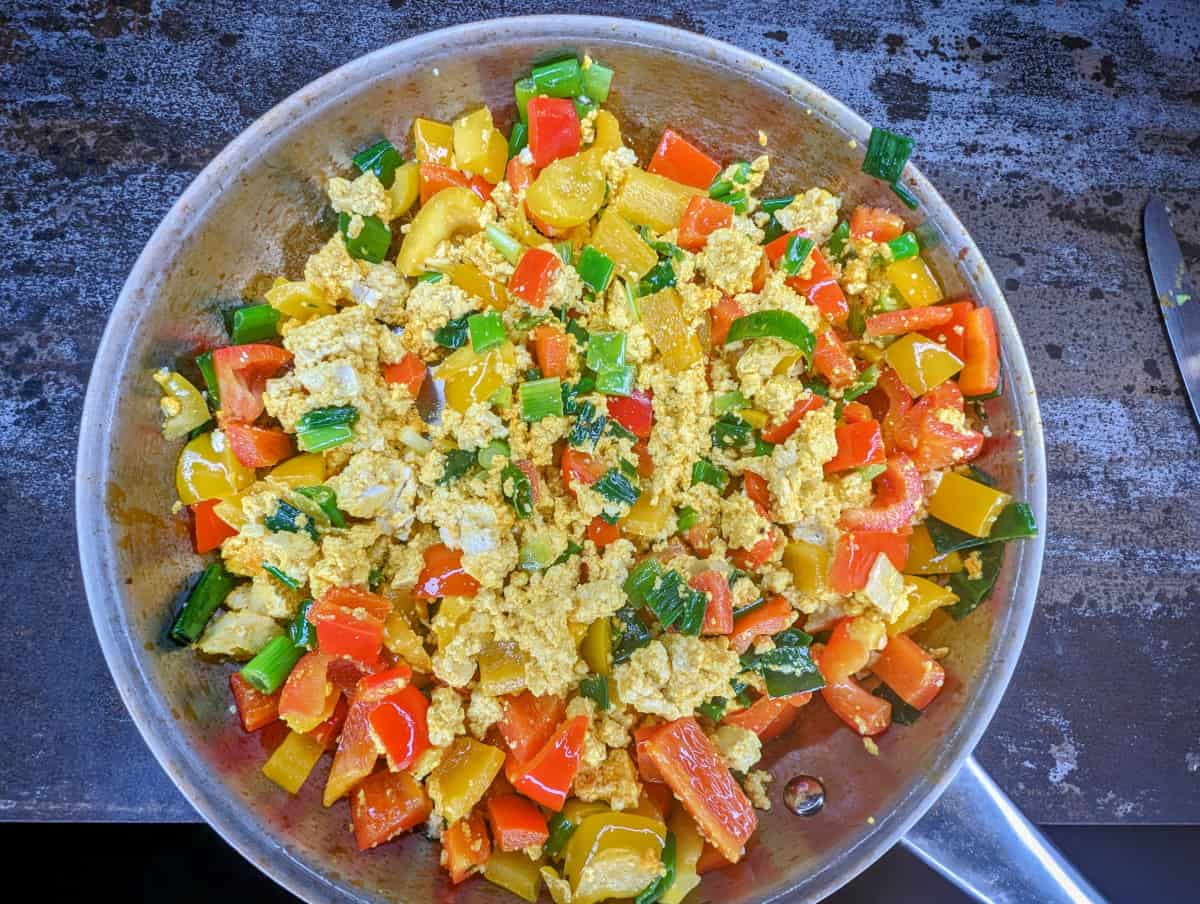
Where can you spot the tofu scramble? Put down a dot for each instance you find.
(560, 482)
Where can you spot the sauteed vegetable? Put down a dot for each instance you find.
(558, 483)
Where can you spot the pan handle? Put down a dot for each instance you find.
(975, 837)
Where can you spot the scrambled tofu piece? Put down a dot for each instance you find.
(347, 557)
(615, 780)
(265, 596)
(603, 593)
(729, 260)
(483, 712)
(682, 420)
(446, 718)
(428, 308)
(755, 787)
(365, 196)
(333, 270)
(815, 211)
(796, 474)
(378, 486)
(739, 747)
(741, 524)
(382, 290)
(616, 165)
(671, 676)
(238, 635)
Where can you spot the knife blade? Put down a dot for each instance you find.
(1176, 296)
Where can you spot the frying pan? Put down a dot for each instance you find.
(255, 212)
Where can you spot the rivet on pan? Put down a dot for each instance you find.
(804, 795)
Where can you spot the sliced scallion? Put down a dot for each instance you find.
(206, 596)
(253, 323)
(281, 576)
(597, 81)
(616, 381)
(887, 153)
(594, 268)
(770, 205)
(605, 350)
(704, 471)
(487, 331)
(595, 688)
(518, 139)
(686, 518)
(267, 671)
(517, 489)
(333, 416)
(205, 364)
(372, 240)
(497, 448)
(540, 398)
(903, 192)
(301, 630)
(431, 276)
(616, 487)
(795, 253)
(560, 78)
(728, 401)
(322, 438)
(509, 248)
(381, 159)
(454, 334)
(523, 90)
(904, 246)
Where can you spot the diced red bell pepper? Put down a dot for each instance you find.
(856, 413)
(858, 445)
(242, 374)
(535, 271)
(356, 753)
(327, 732)
(822, 289)
(952, 333)
(773, 616)
(909, 320)
(756, 556)
(517, 823)
(304, 698)
(718, 614)
(913, 674)
(699, 537)
(257, 447)
(634, 412)
(399, 725)
(208, 530)
(933, 443)
(845, 654)
(855, 555)
(704, 785)
(465, 845)
(758, 490)
(701, 218)
(385, 805)
(409, 373)
(898, 494)
(553, 129)
(680, 160)
(641, 742)
(981, 370)
(435, 177)
(378, 686)
(864, 712)
(548, 776)
(529, 722)
(723, 314)
(833, 361)
(349, 622)
(710, 859)
(875, 223)
(768, 717)
(550, 348)
(255, 708)
(519, 175)
(891, 401)
(660, 797)
(579, 466)
(602, 533)
(443, 574)
(778, 433)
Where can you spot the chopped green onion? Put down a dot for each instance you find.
(501, 398)
(714, 709)
(616, 487)
(573, 549)
(252, 323)
(605, 350)
(686, 518)
(653, 892)
(749, 607)
(540, 398)
(904, 246)
(561, 78)
(374, 579)
(595, 688)
(903, 192)
(588, 428)
(333, 416)
(561, 830)
(889, 300)
(458, 462)
(902, 712)
(583, 105)
(631, 304)
(597, 82)
(629, 633)
(203, 600)
(302, 632)
(372, 241)
(837, 240)
(454, 334)
(576, 329)
(704, 471)
(737, 200)
(326, 498)
(381, 159)
(770, 205)
(671, 600)
(775, 324)
(322, 438)
(660, 276)
(720, 188)
(817, 387)
(286, 518)
(863, 384)
(537, 553)
(204, 363)
(789, 667)
(594, 268)
(795, 253)
(662, 249)
(887, 153)
(518, 139)
(571, 393)
(267, 671)
(487, 331)
(283, 577)
(729, 401)
(517, 489)
(497, 448)
(508, 247)
(616, 381)
(431, 276)
(523, 90)
(773, 230)
(615, 429)
(730, 432)
(741, 172)
(525, 324)
(761, 446)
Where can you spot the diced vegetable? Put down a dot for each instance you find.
(971, 591)
(865, 713)
(678, 159)
(252, 323)
(822, 289)
(267, 671)
(443, 574)
(953, 332)
(532, 278)
(553, 129)
(385, 805)
(551, 347)
(776, 324)
(875, 223)
(597, 81)
(895, 323)
(466, 847)
(981, 372)
(183, 407)
(773, 616)
(292, 762)
(595, 268)
(398, 725)
(478, 147)
(702, 217)
(616, 381)
(486, 331)
(540, 398)
(366, 238)
(465, 772)
(662, 315)
(967, 504)
(620, 242)
(921, 363)
(652, 200)
(856, 553)
(809, 565)
(796, 249)
(924, 597)
(242, 372)
(434, 141)
(516, 822)
(206, 596)
(547, 777)
(915, 283)
(568, 192)
(887, 152)
(904, 246)
(255, 709)
(471, 378)
(514, 872)
(450, 212)
(409, 373)
(779, 433)
(208, 530)
(307, 699)
(913, 674)
(616, 487)
(613, 855)
(257, 447)
(833, 361)
(858, 445)
(924, 558)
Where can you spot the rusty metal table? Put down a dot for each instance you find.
(1044, 125)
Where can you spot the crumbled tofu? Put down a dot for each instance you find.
(729, 260)
(815, 211)
(445, 718)
(365, 196)
(238, 635)
(483, 712)
(740, 747)
(615, 781)
(755, 787)
(671, 676)
(377, 486)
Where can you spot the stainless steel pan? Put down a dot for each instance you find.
(254, 211)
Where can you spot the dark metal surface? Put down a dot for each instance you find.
(1176, 296)
(1044, 126)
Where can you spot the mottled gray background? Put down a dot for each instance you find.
(1045, 125)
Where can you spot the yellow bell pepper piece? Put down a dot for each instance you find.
(631, 255)
(289, 766)
(608, 132)
(465, 772)
(808, 563)
(501, 668)
(208, 469)
(452, 612)
(920, 363)
(647, 520)
(924, 597)
(597, 646)
(652, 200)
(515, 872)
(868, 352)
(916, 285)
(753, 417)
(568, 192)
(967, 504)
(478, 147)
(471, 280)
(434, 141)
(471, 378)
(401, 640)
(304, 470)
(924, 559)
(406, 188)
(183, 407)
(613, 855)
(689, 844)
(575, 811)
(451, 211)
(301, 300)
(676, 341)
